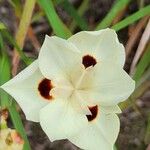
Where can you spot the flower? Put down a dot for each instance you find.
(10, 140)
(73, 88)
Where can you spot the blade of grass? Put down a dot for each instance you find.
(60, 29)
(72, 12)
(141, 47)
(25, 21)
(5, 75)
(37, 16)
(18, 7)
(57, 2)
(22, 31)
(18, 124)
(132, 18)
(117, 7)
(2, 26)
(142, 65)
(8, 37)
(81, 10)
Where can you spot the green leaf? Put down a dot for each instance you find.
(81, 10)
(18, 124)
(60, 29)
(18, 7)
(8, 37)
(2, 26)
(142, 65)
(5, 74)
(5, 102)
(117, 7)
(72, 11)
(132, 18)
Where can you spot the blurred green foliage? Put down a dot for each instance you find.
(62, 30)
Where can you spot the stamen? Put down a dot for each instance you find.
(94, 112)
(88, 61)
(44, 88)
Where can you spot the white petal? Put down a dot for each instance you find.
(80, 105)
(57, 57)
(60, 121)
(111, 109)
(24, 89)
(99, 134)
(107, 84)
(102, 44)
(109, 125)
(62, 89)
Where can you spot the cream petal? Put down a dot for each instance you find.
(80, 105)
(111, 109)
(57, 57)
(86, 41)
(109, 125)
(101, 133)
(24, 89)
(102, 44)
(60, 121)
(62, 89)
(107, 84)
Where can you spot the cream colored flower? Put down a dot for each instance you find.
(10, 140)
(73, 88)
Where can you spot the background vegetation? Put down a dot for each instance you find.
(23, 25)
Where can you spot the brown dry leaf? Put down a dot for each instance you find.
(135, 35)
(141, 47)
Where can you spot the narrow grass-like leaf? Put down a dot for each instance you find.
(81, 10)
(37, 16)
(115, 148)
(18, 7)
(117, 7)
(2, 26)
(8, 36)
(142, 65)
(60, 29)
(57, 2)
(25, 22)
(132, 18)
(5, 75)
(72, 12)
(18, 124)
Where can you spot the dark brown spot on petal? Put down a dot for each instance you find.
(44, 88)
(94, 112)
(88, 61)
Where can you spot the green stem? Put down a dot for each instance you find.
(142, 65)
(60, 29)
(25, 22)
(132, 18)
(72, 12)
(5, 101)
(8, 36)
(118, 6)
(18, 124)
(81, 10)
